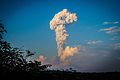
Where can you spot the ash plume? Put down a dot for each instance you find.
(58, 23)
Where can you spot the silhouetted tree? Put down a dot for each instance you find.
(13, 59)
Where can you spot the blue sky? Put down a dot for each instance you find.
(27, 23)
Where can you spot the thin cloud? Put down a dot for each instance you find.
(108, 29)
(115, 38)
(111, 30)
(105, 23)
(117, 46)
(94, 42)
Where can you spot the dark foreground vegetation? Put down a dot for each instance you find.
(15, 66)
(60, 75)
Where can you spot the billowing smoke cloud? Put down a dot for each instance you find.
(58, 24)
(41, 58)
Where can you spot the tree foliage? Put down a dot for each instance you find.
(15, 59)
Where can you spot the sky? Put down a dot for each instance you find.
(96, 31)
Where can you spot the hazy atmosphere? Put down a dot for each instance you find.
(79, 34)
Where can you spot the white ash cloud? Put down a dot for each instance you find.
(58, 23)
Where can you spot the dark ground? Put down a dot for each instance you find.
(60, 75)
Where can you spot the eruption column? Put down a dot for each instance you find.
(58, 24)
